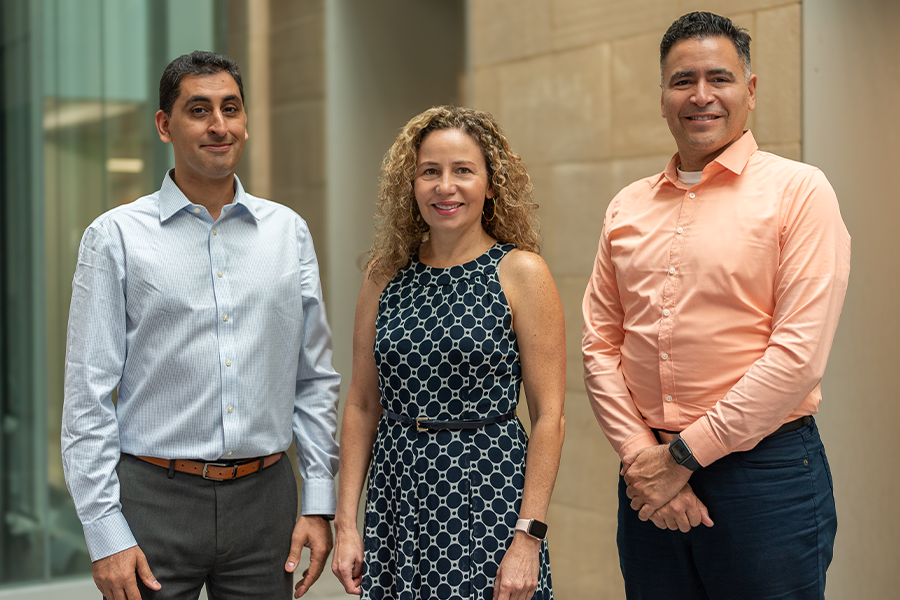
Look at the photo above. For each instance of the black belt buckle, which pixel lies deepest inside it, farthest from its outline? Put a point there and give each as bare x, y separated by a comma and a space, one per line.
206, 466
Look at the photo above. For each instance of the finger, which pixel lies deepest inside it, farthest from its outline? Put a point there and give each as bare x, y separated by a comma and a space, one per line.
683, 522
146, 575
705, 519
293, 559
629, 491
658, 520
645, 512
637, 504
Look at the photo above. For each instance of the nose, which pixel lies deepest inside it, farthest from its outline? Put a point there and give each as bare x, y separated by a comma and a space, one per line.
217, 123
446, 186
702, 94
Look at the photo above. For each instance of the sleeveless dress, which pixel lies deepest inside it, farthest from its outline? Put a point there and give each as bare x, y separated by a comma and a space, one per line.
442, 506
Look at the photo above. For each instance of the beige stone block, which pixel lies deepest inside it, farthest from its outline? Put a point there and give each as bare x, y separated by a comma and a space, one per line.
777, 65
581, 22
627, 171
728, 7
527, 104
505, 30
297, 60
584, 561
542, 179
588, 471
288, 11
583, 111
298, 133
486, 84
638, 125
582, 193
571, 292
791, 150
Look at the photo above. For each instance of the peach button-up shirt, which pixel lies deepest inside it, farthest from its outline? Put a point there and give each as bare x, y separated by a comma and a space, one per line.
712, 308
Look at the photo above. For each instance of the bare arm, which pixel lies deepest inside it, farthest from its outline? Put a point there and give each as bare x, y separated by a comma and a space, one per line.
358, 427
540, 329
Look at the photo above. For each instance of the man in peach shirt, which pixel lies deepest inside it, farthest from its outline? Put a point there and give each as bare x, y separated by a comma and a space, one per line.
708, 318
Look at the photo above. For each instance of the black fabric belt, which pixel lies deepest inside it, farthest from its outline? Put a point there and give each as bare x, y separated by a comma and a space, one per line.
789, 426
426, 424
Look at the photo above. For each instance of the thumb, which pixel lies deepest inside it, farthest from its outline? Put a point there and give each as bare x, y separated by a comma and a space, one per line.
293, 558
143, 571
627, 461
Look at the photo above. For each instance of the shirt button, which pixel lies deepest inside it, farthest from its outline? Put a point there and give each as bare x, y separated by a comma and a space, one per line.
668, 398
230, 409
692, 195
671, 270
196, 211
220, 274
224, 317
680, 230
215, 232
230, 453
666, 312
665, 356
228, 363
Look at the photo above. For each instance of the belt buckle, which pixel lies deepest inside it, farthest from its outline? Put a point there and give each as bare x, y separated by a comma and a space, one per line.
206, 466
419, 422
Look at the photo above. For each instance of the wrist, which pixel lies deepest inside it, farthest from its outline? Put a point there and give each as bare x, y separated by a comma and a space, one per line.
682, 455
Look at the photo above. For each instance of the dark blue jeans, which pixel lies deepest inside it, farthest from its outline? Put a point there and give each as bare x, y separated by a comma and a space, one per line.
773, 537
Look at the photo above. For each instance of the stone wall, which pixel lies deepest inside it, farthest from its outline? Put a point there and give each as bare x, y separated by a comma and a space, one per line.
575, 84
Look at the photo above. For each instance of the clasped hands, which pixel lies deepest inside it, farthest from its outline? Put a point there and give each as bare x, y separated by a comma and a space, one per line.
658, 489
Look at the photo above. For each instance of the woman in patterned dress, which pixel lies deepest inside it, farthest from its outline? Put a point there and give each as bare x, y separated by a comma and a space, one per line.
459, 310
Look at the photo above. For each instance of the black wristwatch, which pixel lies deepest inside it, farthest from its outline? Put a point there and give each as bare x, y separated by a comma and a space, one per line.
532, 527
682, 454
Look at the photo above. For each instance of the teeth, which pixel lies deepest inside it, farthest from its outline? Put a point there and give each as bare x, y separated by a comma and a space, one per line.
703, 118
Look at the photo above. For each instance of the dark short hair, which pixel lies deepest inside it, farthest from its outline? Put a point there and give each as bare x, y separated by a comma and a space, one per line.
701, 25
198, 62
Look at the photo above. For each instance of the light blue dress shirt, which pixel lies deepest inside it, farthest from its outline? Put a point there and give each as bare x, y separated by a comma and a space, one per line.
214, 333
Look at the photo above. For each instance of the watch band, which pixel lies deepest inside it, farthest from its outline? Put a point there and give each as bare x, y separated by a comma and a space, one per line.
533, 527
682, 454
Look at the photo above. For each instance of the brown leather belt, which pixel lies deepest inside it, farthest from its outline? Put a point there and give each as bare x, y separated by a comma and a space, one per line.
217, 471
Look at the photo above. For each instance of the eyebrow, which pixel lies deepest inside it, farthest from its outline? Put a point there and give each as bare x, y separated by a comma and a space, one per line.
454, 163
682, 74
199, 98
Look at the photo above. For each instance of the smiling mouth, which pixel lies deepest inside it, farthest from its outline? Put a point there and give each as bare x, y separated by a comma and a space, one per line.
703, 118
447, 206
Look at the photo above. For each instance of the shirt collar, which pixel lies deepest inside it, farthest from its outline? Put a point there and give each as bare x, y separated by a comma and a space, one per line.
172, 199
734, 158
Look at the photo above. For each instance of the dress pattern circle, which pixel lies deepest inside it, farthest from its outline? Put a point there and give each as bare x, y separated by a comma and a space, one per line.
441, 507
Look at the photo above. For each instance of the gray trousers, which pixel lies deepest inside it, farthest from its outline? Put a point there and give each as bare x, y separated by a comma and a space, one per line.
234, 536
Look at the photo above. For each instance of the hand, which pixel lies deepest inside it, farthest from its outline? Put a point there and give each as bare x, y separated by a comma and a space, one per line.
517, 575
314, 533
682, 512
114, 575
347, 562
653, 478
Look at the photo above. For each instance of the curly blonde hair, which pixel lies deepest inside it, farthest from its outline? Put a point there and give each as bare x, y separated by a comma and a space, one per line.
400, 228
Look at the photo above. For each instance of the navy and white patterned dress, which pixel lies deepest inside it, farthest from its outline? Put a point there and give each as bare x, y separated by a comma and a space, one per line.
442, 506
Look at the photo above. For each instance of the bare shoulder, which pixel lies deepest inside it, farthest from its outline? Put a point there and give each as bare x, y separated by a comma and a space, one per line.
523, 268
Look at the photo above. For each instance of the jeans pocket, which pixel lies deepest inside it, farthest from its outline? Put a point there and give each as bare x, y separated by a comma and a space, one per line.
827, 470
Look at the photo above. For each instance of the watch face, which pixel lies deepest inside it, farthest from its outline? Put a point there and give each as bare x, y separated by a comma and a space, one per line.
538, 529
679, 450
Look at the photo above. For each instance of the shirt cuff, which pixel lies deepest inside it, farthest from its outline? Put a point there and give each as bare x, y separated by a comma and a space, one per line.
317, 497
703, 444
108, 535
642, 440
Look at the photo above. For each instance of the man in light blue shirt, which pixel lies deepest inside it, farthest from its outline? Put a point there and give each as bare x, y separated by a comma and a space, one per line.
202, 304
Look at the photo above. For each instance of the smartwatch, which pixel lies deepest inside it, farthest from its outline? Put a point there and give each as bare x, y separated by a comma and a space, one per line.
532, 527
682, 454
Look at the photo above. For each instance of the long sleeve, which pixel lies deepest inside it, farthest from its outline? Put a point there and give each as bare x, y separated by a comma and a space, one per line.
603, 336
317, 392
95, 357
810, 284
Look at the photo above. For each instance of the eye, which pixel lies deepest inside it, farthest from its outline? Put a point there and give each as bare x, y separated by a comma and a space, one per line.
429, 171
198, 110
681, 83
463, 170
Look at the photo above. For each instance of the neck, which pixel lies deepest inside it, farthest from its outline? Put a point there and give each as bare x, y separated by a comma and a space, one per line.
449, 250
212, 194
